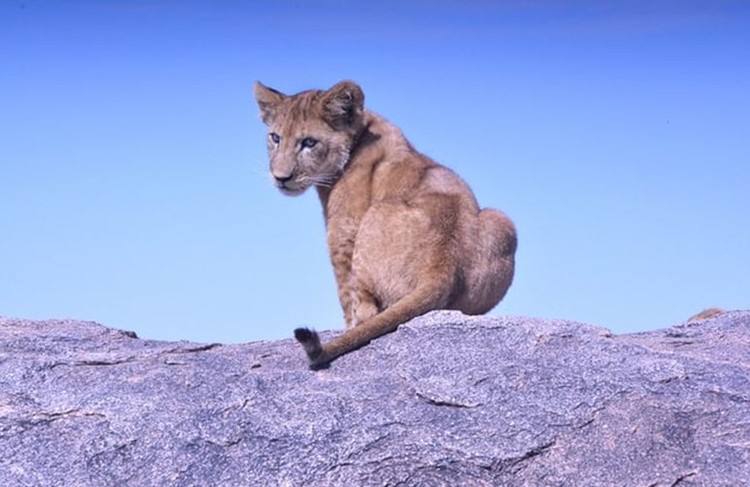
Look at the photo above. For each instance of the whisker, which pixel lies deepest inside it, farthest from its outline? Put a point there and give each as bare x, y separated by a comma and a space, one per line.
326, 181
318, 180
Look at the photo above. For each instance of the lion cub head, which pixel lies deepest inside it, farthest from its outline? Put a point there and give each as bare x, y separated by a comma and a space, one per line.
310, 134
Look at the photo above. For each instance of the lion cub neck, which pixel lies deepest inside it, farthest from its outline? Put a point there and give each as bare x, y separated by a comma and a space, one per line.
382, 165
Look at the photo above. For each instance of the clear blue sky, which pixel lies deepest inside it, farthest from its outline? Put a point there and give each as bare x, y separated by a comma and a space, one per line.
133, 172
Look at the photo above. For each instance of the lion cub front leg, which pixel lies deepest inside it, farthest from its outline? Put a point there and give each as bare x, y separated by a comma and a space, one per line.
341, 259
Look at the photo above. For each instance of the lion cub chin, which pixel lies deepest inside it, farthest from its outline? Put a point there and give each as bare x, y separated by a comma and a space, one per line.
405, 234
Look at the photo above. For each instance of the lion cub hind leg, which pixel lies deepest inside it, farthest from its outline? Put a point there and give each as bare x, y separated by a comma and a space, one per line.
496, 260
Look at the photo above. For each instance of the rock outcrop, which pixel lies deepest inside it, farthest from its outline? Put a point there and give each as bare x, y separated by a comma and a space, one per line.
447, 400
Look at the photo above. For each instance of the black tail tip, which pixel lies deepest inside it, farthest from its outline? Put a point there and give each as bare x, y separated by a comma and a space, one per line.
310, 341
305, 335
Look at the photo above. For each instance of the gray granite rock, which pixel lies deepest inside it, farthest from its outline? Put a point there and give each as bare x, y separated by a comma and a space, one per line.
447, 400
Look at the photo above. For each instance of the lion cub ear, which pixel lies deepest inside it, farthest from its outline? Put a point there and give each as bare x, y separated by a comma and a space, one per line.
343, 104
267, 99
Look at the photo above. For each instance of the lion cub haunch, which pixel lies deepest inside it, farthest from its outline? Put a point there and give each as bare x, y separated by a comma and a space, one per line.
405, 234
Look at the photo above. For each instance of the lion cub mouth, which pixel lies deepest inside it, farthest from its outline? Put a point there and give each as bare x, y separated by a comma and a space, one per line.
290, 186
291, 191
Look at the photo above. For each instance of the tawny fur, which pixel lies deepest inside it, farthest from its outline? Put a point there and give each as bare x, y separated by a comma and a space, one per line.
405, 234
705, 314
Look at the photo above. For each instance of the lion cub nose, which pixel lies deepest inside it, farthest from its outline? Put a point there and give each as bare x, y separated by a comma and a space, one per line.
283, 178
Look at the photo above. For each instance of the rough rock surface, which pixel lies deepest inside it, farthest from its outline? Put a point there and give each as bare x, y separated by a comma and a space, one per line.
447, 400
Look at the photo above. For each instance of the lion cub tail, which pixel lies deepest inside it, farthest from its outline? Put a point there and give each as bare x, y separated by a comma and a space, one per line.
310, 341
429, 296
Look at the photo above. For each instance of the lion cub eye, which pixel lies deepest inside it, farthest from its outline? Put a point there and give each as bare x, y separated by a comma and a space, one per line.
308, 142
275, 138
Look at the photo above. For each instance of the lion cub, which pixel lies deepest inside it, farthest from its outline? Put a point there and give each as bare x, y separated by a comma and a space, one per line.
405, 234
